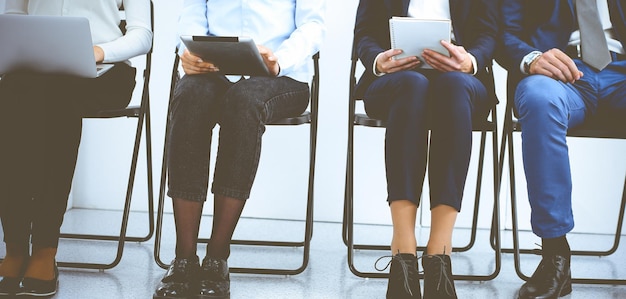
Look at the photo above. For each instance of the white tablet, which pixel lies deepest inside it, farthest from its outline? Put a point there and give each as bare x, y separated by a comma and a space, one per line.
232, 55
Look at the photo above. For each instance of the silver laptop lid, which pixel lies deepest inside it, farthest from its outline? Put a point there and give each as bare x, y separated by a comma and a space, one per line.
47, 44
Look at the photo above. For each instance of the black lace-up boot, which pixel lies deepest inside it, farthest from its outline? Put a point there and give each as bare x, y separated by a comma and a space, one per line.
438, 282
403, 277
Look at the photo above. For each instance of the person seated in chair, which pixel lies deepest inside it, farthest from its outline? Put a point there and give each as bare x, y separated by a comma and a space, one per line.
557, 88
446, 100
40, 125
288, 33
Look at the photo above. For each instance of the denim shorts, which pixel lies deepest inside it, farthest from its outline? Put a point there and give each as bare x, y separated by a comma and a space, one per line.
241, 109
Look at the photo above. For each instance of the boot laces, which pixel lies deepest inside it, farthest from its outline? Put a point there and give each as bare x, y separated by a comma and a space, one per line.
403, 265
443, 276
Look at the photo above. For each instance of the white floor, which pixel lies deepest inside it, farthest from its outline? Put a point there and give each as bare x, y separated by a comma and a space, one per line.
327, 274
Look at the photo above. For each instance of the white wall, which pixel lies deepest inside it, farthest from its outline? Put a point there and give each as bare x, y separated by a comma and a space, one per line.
280, 188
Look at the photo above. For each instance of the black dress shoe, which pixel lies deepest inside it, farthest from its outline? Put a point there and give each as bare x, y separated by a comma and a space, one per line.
178, 280
438, 282
40, 288
551, 280
10, 287
214, 280
403, 277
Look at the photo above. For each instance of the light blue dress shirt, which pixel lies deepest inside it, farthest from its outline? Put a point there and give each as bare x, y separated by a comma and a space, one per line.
292, 29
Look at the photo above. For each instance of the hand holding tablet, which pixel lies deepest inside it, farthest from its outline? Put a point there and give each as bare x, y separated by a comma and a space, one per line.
229, 55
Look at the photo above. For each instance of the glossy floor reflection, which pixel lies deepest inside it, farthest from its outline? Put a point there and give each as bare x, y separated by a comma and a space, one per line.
327, 275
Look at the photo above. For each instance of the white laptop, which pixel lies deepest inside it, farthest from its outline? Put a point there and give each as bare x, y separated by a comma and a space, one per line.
48, 44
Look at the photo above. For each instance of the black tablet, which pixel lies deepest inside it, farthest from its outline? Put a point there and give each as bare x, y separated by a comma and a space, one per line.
232, 55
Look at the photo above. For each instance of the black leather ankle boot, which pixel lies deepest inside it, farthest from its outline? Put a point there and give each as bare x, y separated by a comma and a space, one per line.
438, 282
552, 279
403, 277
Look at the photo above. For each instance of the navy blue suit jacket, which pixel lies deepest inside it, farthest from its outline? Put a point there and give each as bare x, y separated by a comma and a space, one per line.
541, 25
474, 22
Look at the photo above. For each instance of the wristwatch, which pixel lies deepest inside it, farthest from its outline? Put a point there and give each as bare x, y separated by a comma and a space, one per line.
529, 59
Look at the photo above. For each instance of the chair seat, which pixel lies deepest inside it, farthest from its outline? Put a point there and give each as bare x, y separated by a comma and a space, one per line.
364, 120
298, 120
130, 111
597, 127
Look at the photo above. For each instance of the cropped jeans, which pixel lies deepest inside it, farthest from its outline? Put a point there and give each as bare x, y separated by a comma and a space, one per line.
413, 103
242, 109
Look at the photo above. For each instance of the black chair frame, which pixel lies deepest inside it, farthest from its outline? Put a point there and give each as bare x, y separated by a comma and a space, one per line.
142, 113
358, 119
308, 117
595, 128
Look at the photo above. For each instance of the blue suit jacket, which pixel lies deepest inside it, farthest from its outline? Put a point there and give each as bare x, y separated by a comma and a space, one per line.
541, 25
474, 22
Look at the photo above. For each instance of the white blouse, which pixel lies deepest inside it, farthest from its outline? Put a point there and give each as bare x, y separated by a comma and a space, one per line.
429, 9
104, 18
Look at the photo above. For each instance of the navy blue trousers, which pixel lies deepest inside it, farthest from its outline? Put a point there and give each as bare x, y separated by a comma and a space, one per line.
413, 103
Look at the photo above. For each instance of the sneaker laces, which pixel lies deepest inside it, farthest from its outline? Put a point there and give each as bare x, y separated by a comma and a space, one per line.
403, 266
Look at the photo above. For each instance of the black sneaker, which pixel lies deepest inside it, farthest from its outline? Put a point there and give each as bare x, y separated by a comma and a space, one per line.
214, 280
178, 280
438, 282
403, 277
40, 288
10, 287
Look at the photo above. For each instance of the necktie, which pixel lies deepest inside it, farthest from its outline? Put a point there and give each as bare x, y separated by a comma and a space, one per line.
595, 51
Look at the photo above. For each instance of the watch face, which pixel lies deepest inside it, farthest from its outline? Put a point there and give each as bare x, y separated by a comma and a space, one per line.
529, 59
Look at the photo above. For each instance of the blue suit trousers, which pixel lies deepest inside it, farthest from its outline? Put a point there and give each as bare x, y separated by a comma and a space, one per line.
546, 109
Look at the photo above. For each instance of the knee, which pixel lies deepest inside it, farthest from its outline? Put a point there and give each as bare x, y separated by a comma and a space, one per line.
194, 100
241, 105
410, 82
452, 88
540, 96
408, 90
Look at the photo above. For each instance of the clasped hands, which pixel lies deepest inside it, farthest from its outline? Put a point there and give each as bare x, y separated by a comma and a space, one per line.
194, 65
556, 65
459, 60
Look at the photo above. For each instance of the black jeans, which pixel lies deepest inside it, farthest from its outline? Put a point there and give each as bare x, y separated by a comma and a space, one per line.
40, 127
242, 109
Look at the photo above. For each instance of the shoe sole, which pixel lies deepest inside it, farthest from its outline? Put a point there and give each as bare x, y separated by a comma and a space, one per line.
36, 295
566, 290
167, 297
227, 296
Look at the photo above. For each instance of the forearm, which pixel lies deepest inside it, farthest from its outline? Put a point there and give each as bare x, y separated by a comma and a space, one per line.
307, 39
192, 20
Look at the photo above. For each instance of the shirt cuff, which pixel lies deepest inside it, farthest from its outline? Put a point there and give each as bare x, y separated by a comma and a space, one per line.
526, 59
521, 64
474, 63
374, 67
